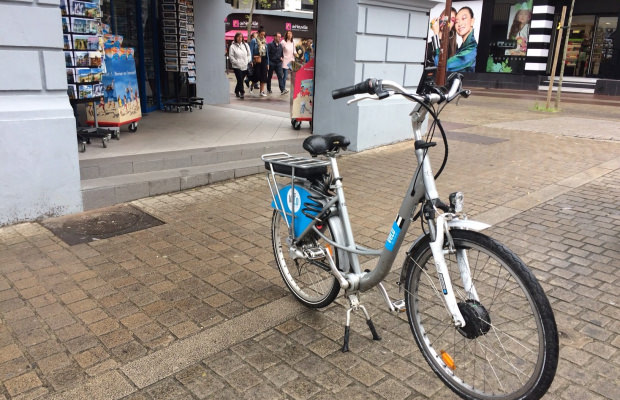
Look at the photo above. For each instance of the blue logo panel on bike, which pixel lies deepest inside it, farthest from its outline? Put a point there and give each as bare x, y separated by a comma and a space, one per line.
393, 236
294, 201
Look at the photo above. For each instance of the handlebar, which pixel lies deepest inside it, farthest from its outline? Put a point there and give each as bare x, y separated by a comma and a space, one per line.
368, 86
380, 88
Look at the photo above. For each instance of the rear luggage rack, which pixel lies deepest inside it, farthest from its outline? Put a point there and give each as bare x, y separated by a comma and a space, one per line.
283, 164
300, 167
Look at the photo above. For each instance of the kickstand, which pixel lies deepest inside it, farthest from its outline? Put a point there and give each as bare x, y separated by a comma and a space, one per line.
355, 305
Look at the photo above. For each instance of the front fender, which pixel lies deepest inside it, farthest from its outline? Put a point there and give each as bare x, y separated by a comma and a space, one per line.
464, 224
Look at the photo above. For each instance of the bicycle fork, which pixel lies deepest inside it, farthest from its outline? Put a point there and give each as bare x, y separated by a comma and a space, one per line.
442, 232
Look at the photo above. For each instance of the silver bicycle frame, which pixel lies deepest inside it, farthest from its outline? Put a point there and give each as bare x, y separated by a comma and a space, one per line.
422, 186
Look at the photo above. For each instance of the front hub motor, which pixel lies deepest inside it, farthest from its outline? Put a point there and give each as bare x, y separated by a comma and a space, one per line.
477, 319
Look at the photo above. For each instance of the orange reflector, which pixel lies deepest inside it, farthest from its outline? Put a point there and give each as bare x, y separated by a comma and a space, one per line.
448, 360
329, 250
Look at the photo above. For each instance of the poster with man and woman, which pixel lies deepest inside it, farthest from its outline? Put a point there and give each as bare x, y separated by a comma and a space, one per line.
464, 31
509, 34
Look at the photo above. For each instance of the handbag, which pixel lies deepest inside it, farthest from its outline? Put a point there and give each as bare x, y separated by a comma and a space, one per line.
256, 59
296, 66
250, 69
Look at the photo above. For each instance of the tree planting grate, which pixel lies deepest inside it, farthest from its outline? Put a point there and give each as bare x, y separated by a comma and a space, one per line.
98, 224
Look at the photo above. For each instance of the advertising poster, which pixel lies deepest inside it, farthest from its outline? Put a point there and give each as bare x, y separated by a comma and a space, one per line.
120, 103
303, 92
510, 38
462, 44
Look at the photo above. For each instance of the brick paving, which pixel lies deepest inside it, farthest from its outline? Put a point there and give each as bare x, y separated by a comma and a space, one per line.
195, 308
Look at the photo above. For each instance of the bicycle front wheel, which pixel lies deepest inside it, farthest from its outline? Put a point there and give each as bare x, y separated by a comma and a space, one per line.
508, 348
310, 280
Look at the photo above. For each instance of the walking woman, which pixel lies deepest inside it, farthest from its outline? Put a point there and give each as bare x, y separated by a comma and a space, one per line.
251, 76
239, 54
261, 59
288, 51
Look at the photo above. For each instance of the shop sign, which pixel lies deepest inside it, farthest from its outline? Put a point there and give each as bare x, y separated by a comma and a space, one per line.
506, 44
243, 24
296, 27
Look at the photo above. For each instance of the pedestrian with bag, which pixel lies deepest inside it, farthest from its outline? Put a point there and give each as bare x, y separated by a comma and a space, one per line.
251, 76
274, 50
260, 57
239, 55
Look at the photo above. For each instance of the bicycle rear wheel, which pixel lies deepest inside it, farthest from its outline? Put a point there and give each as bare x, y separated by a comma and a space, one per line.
310, 281
509, 346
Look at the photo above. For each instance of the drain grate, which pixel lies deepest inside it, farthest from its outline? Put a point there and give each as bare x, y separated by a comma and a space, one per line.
100, 224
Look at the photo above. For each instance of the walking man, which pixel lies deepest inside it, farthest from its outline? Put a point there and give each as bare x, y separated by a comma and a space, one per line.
274, 49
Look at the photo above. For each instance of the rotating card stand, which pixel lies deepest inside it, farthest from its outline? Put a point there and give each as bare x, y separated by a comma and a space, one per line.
85, 134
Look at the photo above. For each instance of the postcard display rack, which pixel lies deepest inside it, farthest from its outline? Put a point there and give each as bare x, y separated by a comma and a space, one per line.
81, 26
179, 55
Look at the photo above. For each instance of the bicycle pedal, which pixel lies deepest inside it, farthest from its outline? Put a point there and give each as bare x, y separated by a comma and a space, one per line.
399, 305
314, 253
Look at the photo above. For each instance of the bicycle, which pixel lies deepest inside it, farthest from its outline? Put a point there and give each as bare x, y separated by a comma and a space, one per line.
482, 321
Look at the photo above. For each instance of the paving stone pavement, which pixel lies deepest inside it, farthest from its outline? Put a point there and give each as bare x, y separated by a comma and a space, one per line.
195, 308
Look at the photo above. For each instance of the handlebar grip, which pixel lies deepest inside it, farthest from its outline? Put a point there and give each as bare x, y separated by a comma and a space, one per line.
368, 86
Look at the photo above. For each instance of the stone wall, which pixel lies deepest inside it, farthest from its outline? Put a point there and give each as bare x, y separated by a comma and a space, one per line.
368, 39
38, 145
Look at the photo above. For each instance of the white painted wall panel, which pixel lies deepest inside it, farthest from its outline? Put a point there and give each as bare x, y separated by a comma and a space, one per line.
370, 48
21, 70
405, 50
27, 26
54, 70
418, 25
385, 21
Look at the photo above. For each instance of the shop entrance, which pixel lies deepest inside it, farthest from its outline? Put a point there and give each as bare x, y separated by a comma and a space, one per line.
136, 21
590, 46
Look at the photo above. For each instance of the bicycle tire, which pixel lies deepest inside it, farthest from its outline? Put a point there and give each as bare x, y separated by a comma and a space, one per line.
311, 282
520, 366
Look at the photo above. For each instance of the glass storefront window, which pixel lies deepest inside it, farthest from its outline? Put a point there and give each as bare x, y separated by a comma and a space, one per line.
590, 48
136, 21
509, 36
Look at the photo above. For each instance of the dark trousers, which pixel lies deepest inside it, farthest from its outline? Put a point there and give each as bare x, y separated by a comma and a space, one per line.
239, 75
261, 70
277, 68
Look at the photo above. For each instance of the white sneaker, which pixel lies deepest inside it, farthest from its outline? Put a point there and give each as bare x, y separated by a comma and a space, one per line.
285, 91
263, 94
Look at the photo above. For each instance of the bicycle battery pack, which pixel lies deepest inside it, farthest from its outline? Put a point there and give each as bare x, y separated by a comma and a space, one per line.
296, 201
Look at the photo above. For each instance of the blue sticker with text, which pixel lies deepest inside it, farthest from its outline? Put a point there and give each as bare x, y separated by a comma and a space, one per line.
393, 236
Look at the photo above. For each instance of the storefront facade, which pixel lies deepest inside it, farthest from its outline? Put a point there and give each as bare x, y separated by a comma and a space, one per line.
520, 55
38, 149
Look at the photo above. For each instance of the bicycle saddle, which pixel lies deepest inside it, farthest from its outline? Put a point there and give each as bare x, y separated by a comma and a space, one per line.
318, 145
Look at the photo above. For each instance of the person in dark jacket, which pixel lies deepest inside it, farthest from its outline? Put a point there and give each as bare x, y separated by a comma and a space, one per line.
274, 50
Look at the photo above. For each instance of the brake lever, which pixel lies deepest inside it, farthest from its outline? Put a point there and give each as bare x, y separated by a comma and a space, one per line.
384, 94
363, 97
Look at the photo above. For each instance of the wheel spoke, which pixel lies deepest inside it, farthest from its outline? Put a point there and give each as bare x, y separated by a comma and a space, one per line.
310, 281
